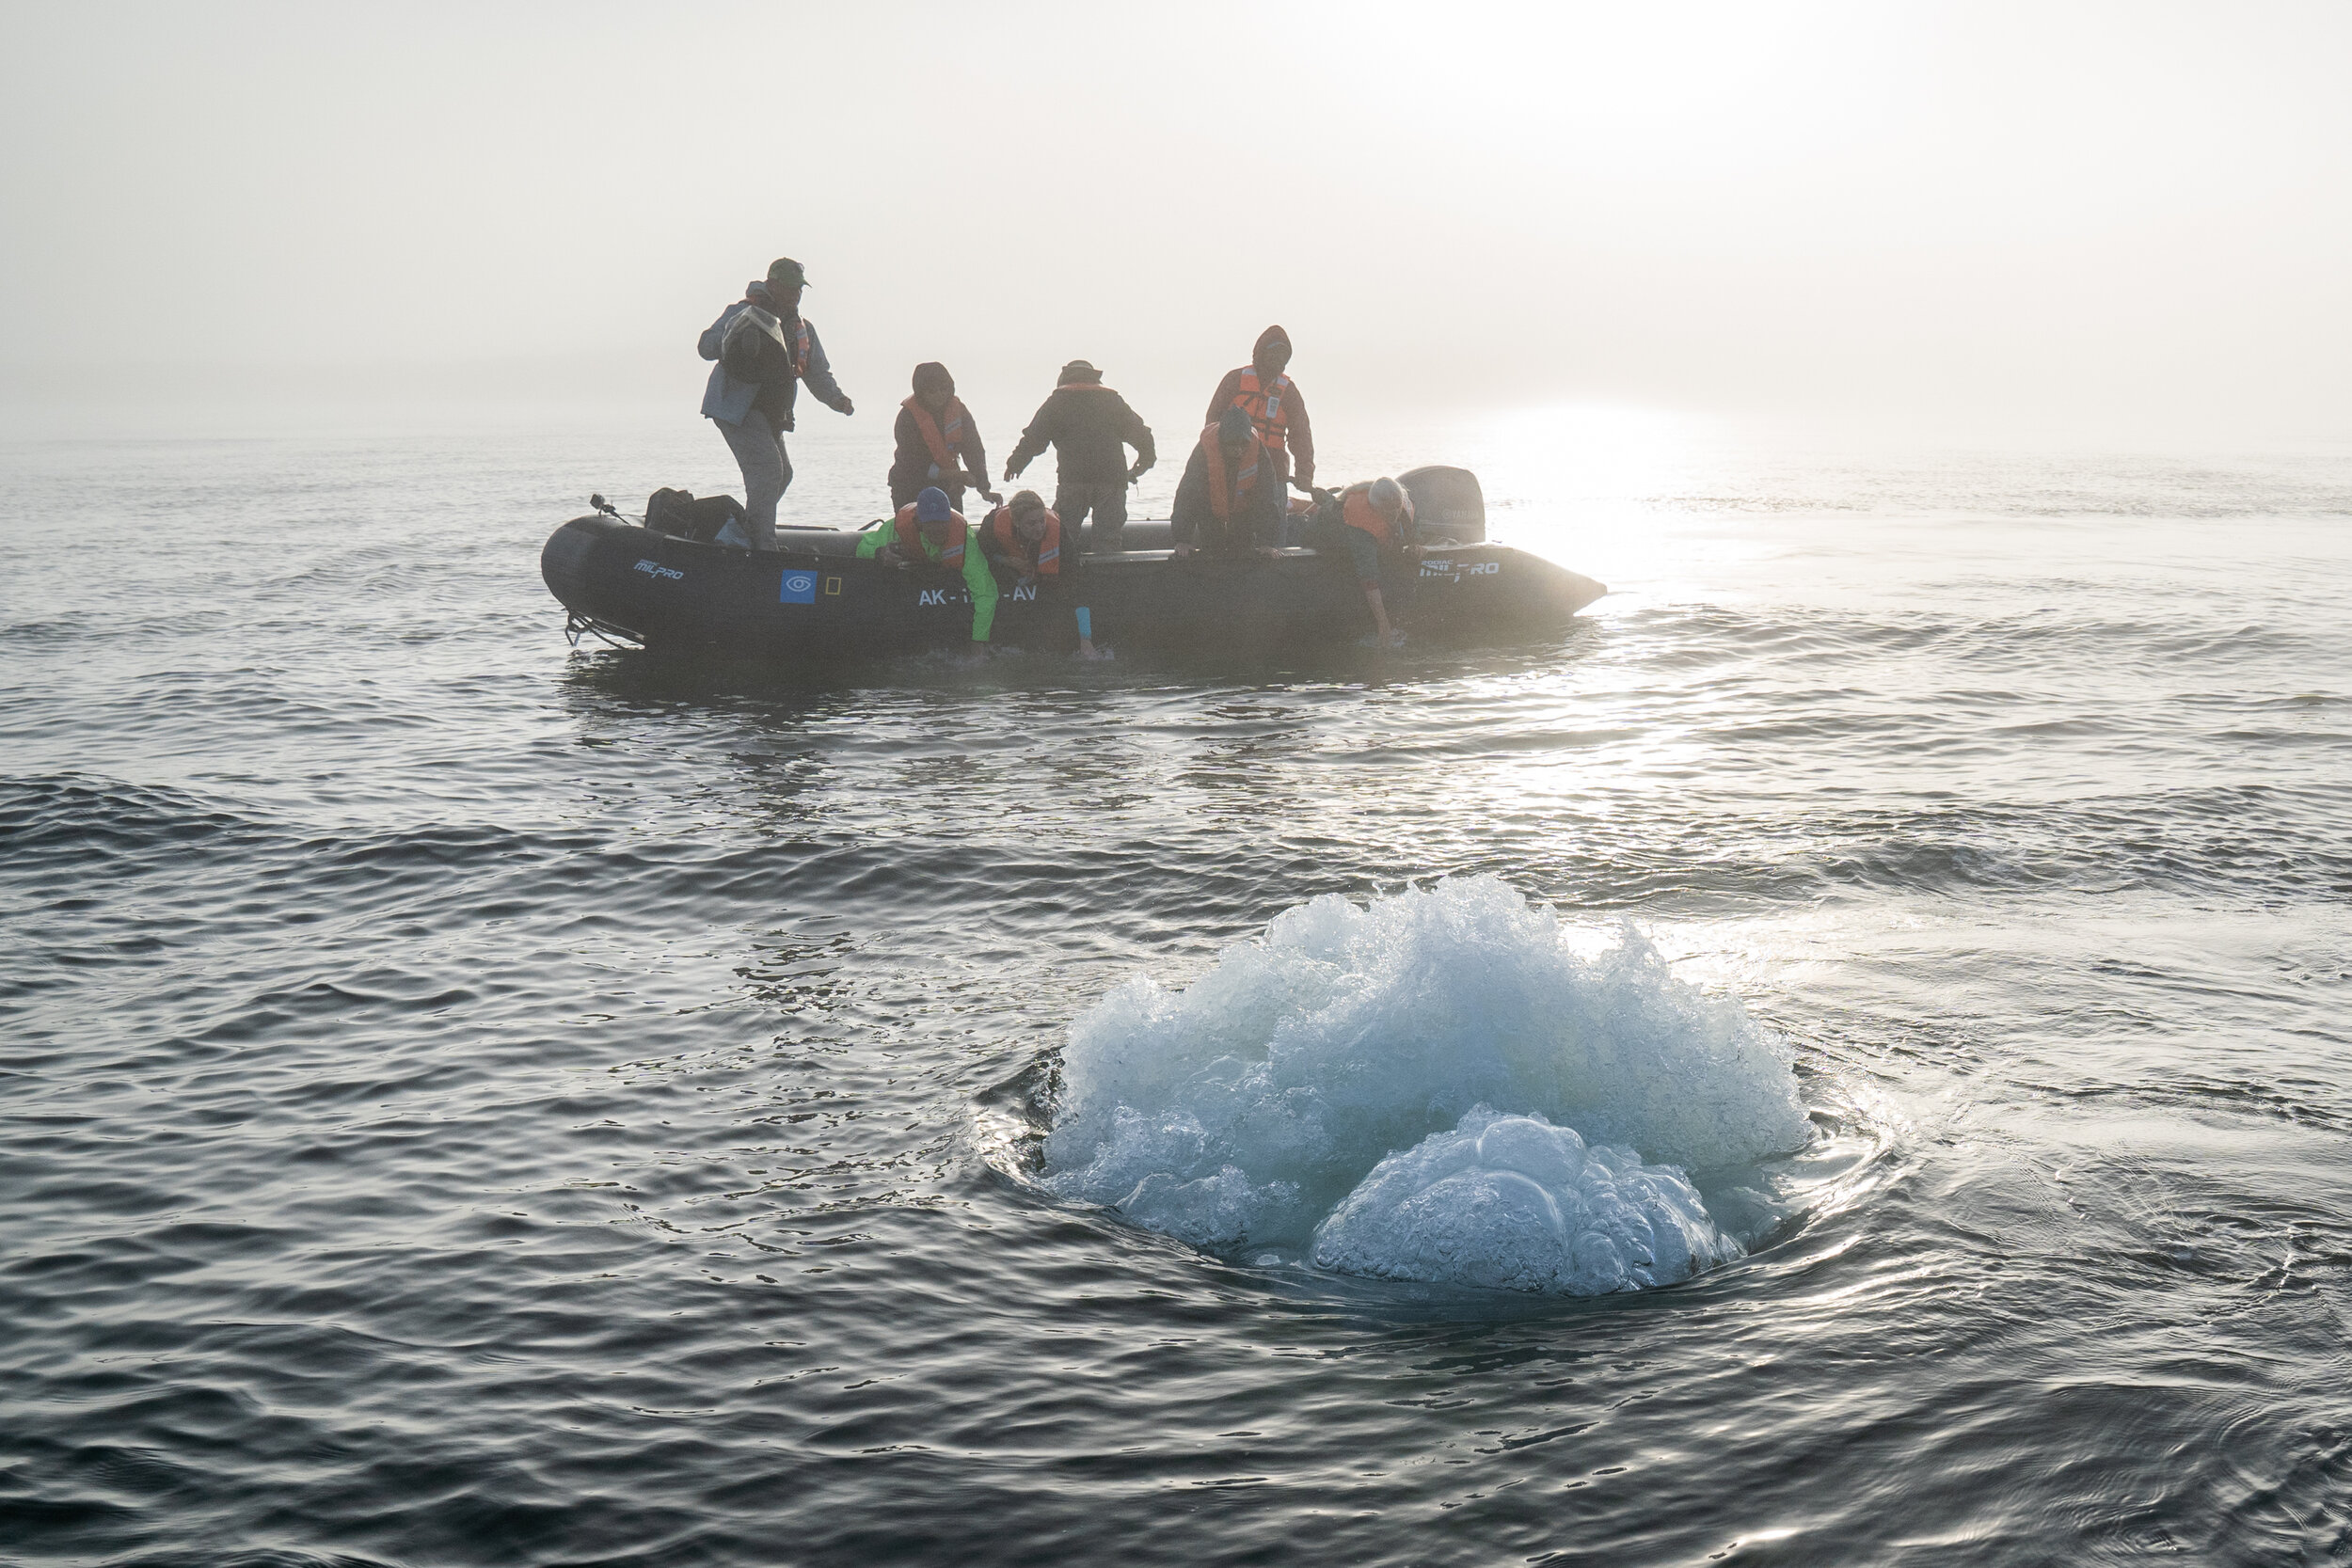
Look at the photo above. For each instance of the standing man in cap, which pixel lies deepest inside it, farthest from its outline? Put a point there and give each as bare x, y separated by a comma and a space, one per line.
1089, 426
1261, 391
938, 442
765, 348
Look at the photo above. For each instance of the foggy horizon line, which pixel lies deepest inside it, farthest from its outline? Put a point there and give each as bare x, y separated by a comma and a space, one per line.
253, 400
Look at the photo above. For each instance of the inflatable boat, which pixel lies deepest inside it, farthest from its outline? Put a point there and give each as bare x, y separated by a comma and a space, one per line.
813, 600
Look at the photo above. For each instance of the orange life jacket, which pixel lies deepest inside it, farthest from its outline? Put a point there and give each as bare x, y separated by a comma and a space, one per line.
1225, 499
1264, 407
801, 349
942, 442
1046, 562
911, 538
1357, 511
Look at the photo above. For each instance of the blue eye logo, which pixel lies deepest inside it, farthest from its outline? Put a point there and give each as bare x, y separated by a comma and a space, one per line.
798, 588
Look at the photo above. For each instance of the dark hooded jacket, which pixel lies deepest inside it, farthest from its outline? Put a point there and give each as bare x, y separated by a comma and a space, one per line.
1087, 424
911, 463
1302, 436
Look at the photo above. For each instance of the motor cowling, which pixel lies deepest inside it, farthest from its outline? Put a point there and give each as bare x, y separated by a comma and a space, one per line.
1448, 503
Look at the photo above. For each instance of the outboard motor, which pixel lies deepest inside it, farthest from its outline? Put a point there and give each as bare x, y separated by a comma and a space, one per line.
1447, 503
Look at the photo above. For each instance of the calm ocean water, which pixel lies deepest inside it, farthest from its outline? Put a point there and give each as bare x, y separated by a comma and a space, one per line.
464, 1101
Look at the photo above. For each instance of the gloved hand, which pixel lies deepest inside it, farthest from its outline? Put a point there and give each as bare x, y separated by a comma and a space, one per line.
845, 407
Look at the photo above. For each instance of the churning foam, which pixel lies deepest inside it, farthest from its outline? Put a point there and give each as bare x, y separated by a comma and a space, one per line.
1432, 1087
1514, 1203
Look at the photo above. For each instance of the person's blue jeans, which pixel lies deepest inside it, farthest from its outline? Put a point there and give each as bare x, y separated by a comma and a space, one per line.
767, 473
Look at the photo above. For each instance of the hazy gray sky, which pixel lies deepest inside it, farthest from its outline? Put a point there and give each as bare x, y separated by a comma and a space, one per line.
2116, 213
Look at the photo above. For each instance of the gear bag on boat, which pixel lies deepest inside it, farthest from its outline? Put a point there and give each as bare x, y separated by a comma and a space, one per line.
676, 511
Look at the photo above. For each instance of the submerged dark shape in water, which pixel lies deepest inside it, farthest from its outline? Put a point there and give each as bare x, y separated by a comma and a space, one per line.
813, 599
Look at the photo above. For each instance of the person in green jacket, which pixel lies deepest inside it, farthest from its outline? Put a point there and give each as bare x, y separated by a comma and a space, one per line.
928, 531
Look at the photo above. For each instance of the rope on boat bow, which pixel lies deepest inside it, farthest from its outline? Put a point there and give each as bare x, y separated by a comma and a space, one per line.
577, 625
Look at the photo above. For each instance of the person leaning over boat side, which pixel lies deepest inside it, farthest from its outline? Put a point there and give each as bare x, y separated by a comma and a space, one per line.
1364, 522
933, 430
1261, 391
1230, 498
1024, 539
929, 531
765, 348
1089, 426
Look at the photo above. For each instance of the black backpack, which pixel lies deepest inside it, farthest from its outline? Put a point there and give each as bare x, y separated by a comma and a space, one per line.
677, 511
752, 351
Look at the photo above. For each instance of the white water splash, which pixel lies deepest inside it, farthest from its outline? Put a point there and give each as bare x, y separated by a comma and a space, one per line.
1514, 1203
1318, 1089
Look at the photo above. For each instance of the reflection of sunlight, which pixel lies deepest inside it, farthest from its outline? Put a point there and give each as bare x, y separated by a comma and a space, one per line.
1589, 451
1583, 484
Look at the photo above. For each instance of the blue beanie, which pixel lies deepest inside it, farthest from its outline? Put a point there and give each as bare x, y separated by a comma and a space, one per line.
931, 506
1232, 425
